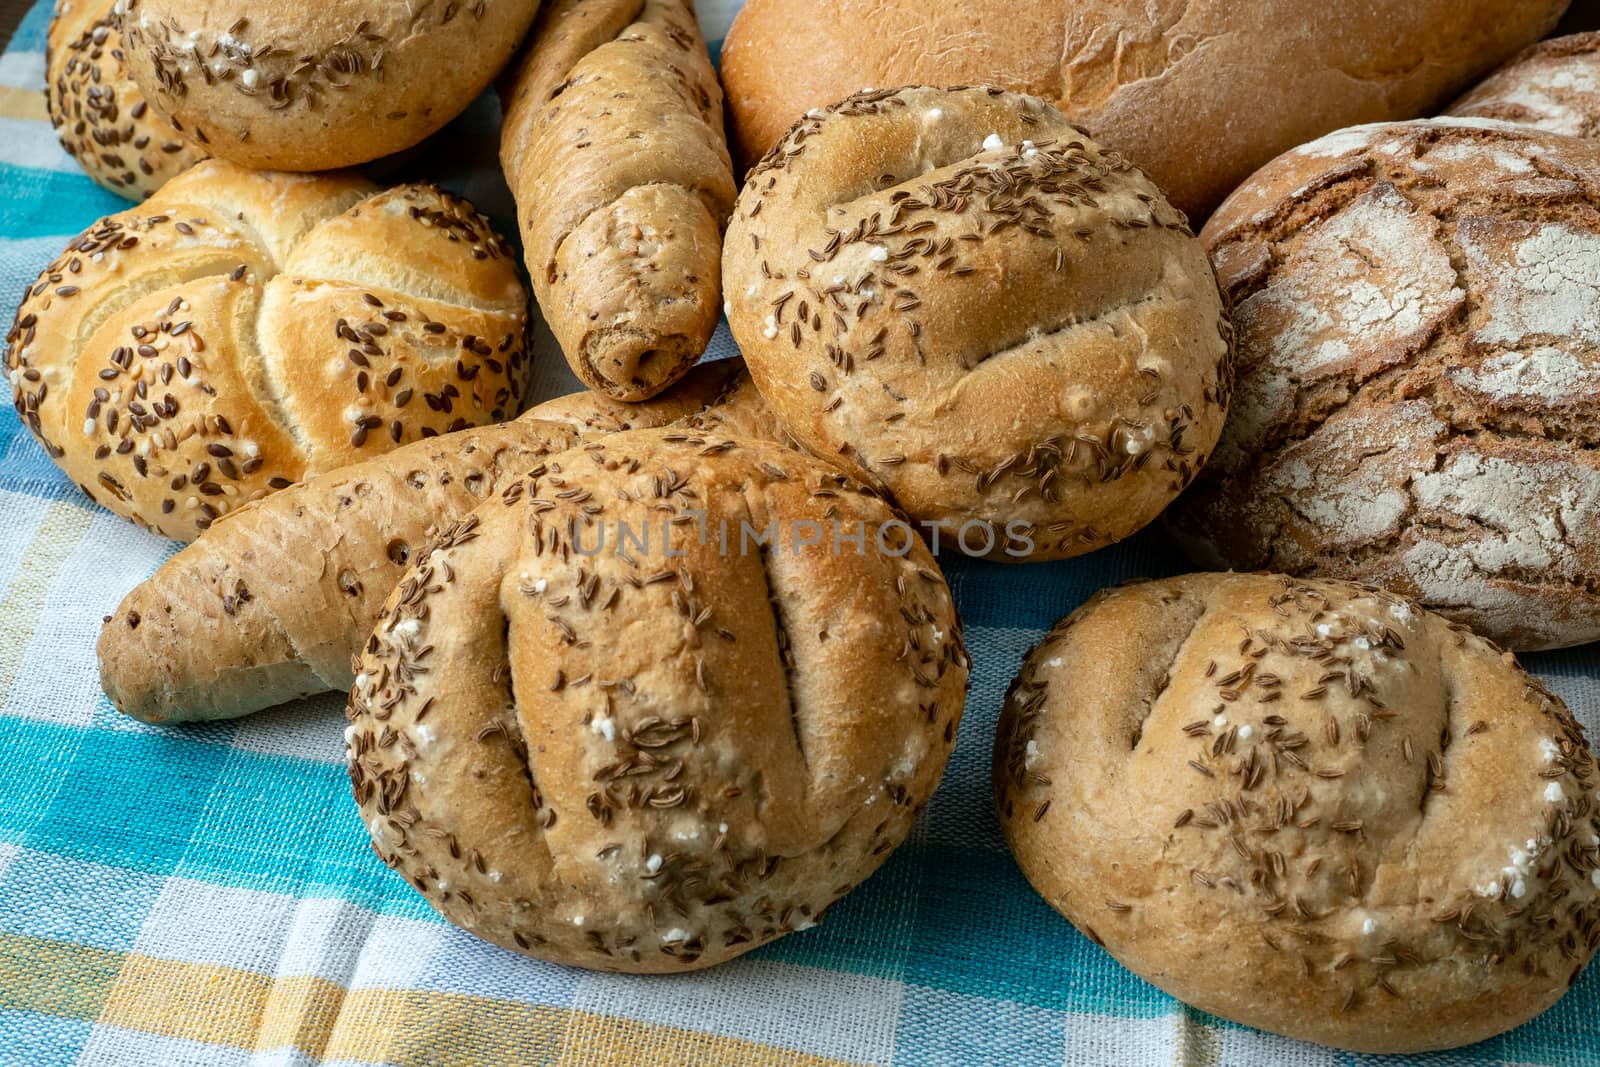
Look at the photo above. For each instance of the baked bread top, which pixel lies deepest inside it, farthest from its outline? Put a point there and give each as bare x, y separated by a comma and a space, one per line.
1554, 85
956, 294
653, 757
1418, 373
317, 84
244, 328
1307, 806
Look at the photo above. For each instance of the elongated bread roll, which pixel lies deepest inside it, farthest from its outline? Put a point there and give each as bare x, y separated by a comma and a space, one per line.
613, 146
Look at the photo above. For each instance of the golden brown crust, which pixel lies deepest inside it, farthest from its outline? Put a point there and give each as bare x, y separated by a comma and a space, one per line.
613, 146
102, 118
272, 602
314, 86
1418, 370
1307, 806
955, 294
242, 329
592, 413
1198, 93
654, 760
1554, 85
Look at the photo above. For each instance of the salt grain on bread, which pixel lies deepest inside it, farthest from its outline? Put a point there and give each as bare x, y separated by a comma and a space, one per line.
273, 601
243, 329
957, 295
317, 84
1554, 85
614, 148
1418, 370
642, 761
1306, 806
102, 118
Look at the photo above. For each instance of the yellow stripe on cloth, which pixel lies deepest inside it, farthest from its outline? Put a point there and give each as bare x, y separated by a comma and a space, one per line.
18, 103
54, 542
404, 1027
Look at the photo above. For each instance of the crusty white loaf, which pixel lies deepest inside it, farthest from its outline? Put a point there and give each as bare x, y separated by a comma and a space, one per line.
317, 84
654, 758
242, 329
102, 118
1306, 806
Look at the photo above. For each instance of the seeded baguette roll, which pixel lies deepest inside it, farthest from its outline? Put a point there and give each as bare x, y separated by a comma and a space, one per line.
957, 295
638, 760
313, 86
1306, 806
1554, 85
1418, 367
614, 148
102, 118
242, 330
592, 413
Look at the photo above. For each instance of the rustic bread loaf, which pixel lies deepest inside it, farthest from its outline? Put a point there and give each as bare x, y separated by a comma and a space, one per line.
317, 84
614, 148
955, 294
1554, 85
1198, 93
243, 329
655, 758
1418, 314
272, 602
592, 413
102, 118
1306, 806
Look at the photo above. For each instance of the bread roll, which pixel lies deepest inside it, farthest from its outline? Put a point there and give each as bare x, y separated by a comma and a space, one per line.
656, 758
1306, 806
1418, 370
243, 329
317, 84
592, 413
955, 294
1554, 85
102, 118
614, 149
1198, 93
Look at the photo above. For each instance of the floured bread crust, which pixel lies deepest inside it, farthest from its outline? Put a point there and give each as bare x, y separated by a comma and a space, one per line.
1554, 85
1418, 317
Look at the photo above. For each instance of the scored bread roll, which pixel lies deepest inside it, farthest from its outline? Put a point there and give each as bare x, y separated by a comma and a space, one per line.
243, 329
317, 84
1418, 367
956, 295
656, 758
102, 118
272, 601
1554, 85
324, 554
1309, 807
614, 149
1198, 93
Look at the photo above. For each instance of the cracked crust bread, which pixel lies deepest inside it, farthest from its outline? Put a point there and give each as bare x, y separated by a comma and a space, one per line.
613, 146
273, 601
243, 329
102, 118
1554, 85
956, 295
1418, 367
1309, 807
1198, 93
654, 760
294, 85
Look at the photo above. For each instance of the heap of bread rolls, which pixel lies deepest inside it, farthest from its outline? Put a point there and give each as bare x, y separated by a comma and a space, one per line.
620, 696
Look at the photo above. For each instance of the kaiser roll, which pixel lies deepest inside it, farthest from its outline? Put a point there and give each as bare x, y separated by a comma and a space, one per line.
1306, 806
317, 84
243, 329
1198, 93
955, 294
654, 757
1554, 85
103, 119
1418, 314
